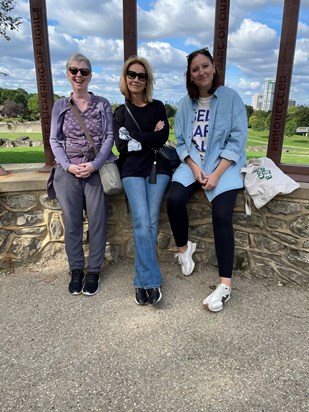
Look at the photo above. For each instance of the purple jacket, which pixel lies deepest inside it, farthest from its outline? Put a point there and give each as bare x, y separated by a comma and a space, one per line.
57, 139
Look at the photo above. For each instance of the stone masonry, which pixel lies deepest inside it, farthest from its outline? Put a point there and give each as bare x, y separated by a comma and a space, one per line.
272, 243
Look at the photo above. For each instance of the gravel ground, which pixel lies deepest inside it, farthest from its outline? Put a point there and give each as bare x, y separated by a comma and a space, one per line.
105, 353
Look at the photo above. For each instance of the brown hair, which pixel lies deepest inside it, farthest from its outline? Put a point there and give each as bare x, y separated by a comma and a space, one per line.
192, 88
150, 80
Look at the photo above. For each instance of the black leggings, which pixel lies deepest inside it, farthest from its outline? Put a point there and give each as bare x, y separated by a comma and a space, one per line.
222, 220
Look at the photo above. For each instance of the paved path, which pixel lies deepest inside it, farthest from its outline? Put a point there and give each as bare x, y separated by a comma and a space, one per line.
104, 353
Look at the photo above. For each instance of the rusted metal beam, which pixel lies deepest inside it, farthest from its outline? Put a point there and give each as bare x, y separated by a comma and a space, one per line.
283, 79
43, 73
299, 173
129, 28
220, 36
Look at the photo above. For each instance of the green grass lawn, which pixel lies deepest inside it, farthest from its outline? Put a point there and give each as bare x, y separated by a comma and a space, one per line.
22, 155
14, 136
295, 148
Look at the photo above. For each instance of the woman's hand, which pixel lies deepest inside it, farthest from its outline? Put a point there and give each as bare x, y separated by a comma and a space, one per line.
82, 170
214, 177
159, 126
197, 171
211, 182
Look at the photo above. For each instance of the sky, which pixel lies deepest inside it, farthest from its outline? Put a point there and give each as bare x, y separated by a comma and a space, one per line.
167, 31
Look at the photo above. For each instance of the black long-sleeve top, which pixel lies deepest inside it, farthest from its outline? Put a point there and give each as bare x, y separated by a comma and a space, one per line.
139, 163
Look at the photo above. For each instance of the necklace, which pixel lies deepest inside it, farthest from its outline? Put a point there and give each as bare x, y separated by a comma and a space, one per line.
81, 100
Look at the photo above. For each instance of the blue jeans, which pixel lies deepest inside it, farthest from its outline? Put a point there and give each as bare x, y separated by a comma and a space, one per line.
145, 202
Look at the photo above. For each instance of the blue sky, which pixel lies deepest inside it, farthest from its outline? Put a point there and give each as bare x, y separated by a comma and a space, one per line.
167, 31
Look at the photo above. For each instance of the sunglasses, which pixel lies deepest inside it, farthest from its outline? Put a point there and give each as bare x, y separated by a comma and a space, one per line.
142, 77
84, 72
197, 52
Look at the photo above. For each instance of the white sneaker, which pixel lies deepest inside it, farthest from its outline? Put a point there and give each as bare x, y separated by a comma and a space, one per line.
215, 300
185, 259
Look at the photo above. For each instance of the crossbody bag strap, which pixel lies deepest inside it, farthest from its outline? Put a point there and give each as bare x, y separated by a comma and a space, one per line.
153, 173
132, 117
83, 126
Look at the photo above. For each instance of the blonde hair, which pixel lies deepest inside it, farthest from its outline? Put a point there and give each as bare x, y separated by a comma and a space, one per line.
150, 80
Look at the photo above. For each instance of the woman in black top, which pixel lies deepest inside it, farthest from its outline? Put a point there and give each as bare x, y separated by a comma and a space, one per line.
136, 144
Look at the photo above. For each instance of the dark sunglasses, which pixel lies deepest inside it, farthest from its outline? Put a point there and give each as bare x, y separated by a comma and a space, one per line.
142, 77
75, 70
195, 52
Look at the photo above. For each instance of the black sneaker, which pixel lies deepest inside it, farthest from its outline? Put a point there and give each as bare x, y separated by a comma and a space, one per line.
141, 296
76, 283
154, 295
91, 284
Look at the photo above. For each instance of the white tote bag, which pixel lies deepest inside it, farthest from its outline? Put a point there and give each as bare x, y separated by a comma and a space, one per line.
110, 178
263, 181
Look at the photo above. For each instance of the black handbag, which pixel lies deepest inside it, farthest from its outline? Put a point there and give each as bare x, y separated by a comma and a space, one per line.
167, 157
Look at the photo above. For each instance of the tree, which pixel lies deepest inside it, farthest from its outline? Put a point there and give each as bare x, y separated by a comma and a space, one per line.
170, 110
21, 96
300, 115
257, 120
12, 109
171, 122
33, 106
249, 111
7, 22
115, 105
290, 128
6, 94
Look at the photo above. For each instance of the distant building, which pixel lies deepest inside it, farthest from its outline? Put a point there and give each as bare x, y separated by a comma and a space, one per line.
257, 101
264, 101
268, 95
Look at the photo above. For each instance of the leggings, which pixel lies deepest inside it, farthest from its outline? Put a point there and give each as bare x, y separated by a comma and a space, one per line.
222, 221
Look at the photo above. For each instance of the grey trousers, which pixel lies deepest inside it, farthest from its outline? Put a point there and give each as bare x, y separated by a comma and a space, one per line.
74, 196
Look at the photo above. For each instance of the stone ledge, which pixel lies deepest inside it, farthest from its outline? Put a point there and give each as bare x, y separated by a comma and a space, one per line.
25, 176
271, 243
23, 182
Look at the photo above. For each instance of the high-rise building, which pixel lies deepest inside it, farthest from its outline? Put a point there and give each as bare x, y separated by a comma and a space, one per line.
268, 96
264, 101
257, 101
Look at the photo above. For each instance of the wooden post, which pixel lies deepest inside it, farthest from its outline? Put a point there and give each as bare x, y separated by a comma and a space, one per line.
43, 73
283, 79
129, 28
220, 37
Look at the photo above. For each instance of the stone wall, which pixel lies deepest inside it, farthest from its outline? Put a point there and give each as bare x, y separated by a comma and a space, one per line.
272, 243
22, 127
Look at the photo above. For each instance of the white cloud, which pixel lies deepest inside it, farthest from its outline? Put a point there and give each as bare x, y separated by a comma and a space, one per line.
252, 37
167, 31
246, 85
303, 29
170, 19
80, 17
252, 48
